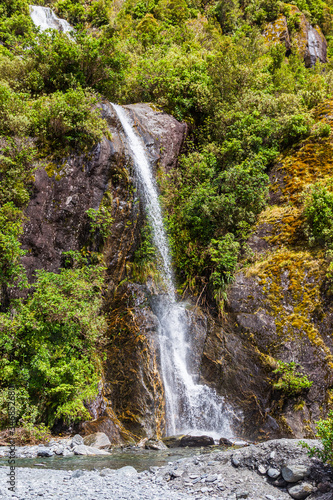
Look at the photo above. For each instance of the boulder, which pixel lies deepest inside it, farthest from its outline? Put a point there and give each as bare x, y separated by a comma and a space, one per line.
88, 450
77, 440
155, 444
45, 452
225, 442
97, 440
301, 491
127, 471
198, 441
173, 441
294, 473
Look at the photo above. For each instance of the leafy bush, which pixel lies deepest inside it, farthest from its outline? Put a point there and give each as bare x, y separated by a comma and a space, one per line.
325, 435
17, 164
318, 212
52, 345
12, 273
224, 256
100, 220
68, 119
290, 381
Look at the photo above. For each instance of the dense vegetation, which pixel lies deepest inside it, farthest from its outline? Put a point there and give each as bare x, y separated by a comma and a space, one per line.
207, 63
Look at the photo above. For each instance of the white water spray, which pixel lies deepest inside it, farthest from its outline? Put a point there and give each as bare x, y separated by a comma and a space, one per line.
190, 407
44, 18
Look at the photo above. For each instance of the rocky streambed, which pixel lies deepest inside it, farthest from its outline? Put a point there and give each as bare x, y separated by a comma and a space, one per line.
274, 470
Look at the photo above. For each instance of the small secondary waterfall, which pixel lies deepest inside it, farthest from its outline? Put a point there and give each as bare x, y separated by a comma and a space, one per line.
44, 18
190, 407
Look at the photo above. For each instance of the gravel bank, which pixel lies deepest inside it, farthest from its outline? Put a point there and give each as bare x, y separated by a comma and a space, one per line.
275, 470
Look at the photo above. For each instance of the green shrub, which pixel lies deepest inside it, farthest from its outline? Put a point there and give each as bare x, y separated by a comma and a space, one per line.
325, 435
51, 345
68, 119
318, 213
290, 381
17, 163
12, 273
100, 220
224, 256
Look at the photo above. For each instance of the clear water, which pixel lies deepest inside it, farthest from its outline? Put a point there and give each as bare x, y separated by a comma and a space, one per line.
44, 18
140, 459
191, 408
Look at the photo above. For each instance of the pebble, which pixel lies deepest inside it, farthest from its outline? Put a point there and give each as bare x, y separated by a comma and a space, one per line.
273, 473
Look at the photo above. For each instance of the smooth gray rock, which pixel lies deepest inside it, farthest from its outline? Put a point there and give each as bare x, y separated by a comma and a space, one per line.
45, 452
128, 471
294, 473
301, 491
97, 440
273, 473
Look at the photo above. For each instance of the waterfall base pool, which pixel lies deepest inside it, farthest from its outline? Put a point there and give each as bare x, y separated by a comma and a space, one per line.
140, 459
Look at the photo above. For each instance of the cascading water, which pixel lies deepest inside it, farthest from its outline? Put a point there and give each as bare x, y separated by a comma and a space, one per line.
190, 407
44, 18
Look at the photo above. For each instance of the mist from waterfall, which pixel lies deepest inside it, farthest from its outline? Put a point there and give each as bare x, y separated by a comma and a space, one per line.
190, 407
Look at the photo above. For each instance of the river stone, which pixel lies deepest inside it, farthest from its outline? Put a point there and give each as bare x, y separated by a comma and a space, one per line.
77, 473
88, 450
97, 440
198, 441
44, 452
77, 440
155, 444
273, 473
106, 472
301, 491
127, 471
294, 473
67, 453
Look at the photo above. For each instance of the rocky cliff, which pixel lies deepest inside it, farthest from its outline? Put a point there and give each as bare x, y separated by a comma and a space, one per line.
280, 306
57, 222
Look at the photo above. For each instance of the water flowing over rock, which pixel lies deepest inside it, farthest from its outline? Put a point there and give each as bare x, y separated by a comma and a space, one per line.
190, 407
44, 18
308, 40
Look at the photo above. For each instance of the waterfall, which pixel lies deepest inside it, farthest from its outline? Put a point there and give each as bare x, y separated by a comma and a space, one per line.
190, 407
44, 18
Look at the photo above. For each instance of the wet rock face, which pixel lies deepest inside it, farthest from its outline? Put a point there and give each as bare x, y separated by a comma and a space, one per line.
57, 222
309, 40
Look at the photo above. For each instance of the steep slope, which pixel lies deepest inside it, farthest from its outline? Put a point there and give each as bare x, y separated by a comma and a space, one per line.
280, 304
